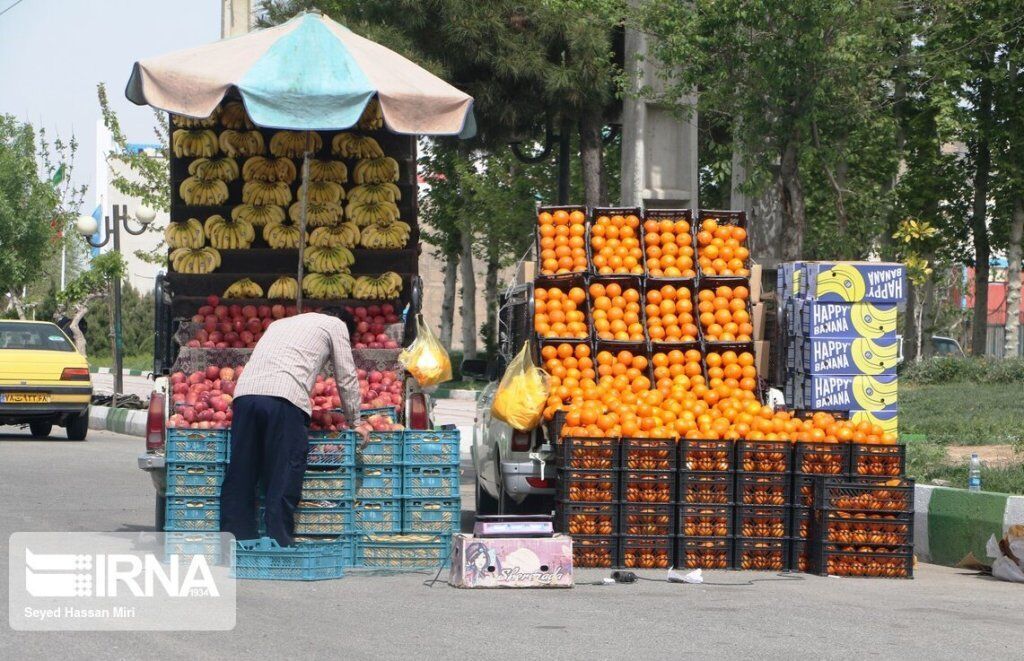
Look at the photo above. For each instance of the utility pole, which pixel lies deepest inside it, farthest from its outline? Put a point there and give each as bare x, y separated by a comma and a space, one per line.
235, 17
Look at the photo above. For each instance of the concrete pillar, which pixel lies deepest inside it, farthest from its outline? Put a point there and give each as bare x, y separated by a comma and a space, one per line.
235, 17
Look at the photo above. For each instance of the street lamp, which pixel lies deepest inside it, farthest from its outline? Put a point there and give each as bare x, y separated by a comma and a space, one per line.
87, 226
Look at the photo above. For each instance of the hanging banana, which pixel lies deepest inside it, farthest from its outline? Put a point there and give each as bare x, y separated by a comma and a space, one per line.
262, 168
244, 288
282, 235
241, 143
233, 116
195, 260
283, 287
385, 234
340, 234
266, 192
335, 171
350, 145
193, 143
318, 214
229, 234
224, 168
196, 191
258, 215
294, 144
372, 118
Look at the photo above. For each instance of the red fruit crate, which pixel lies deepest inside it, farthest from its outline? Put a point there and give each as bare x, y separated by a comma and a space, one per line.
646, 520
702, 553
706, 455
595, 551
763, 522
587, 519
877, 460
705, 520
648, 486
649, 454
762, 489
822, 458
582, 486
588, 453
761, 554
764, 456
645, 552
706, 488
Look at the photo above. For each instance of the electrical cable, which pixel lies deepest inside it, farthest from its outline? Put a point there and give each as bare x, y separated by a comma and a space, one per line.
747, 583
12, 6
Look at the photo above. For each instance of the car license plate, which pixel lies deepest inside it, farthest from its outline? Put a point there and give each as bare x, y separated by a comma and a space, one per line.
25, 398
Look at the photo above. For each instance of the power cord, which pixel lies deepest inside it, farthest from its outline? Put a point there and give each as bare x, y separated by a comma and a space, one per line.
627, 577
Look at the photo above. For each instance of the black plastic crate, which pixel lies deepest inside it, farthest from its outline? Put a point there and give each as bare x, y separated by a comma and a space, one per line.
648, 487
763, 489
821, 458
703, 553
706, 455
588, 486
799, 556
588, 453
645, 552
804, 489
868, 460
761, 554
764, 456
598, 551
646, 519
865, 495
588, 519
658, 454
842, 528
705, 521
863, 561
802, 523
696, 488
762, 522
552, 209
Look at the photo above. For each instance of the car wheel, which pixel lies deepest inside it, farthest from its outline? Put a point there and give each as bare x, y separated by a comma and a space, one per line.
77, 427
485, 502
40, 429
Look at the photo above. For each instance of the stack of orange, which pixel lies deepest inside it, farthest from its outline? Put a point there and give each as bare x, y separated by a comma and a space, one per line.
616, 312
670, 315
735, 370
563, 246
668, 248
559, 313
615, 243
721, 249
677, 368
723, 314
571, 369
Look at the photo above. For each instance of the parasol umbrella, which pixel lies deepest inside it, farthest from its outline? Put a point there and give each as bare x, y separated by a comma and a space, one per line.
310, 73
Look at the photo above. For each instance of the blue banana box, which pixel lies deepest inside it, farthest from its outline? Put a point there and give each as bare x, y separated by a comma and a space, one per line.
822, 319
853, 282
841, 393
887, 420
843, 356
787, 280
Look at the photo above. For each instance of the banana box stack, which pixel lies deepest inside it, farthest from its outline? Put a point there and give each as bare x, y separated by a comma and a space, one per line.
841, 347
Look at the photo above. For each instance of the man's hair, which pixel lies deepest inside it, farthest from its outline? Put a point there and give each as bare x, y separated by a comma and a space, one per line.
344, 314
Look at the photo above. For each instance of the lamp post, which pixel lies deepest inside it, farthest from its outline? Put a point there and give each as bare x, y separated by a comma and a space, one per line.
87, 226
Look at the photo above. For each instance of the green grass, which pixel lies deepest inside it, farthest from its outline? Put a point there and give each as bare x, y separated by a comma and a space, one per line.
142, 362
963, 413
927, 461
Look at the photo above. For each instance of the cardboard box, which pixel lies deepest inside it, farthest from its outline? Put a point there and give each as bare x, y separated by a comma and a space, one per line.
887, 420
821, 319
854, 282
762, 358
527, 272
841, 393
511, 562
787, 280
755, 283
843, 356
757, 317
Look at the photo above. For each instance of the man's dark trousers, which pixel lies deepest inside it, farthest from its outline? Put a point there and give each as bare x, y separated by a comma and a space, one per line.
269, 441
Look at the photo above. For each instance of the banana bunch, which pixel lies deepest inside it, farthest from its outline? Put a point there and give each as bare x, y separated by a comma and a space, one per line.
339, 234
385, 235
335, 171
367, 213
373, 118
223, 167
383, 287
322, 259
322, 191
197, 191
229, 234
195, 260
244, 288
261, 168
241, 143
233, 116
318, 214
294, 144
376, 170
283, 287
258, 215
185, 234
282, 235
350, 145
192, 143
328, 285
184, 121
266, 192
382, 192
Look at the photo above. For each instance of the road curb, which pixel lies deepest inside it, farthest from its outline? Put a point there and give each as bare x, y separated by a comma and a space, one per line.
131, 422
108, 370
950, 523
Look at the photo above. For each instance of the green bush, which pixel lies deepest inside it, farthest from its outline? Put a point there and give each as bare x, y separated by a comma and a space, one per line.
949, 369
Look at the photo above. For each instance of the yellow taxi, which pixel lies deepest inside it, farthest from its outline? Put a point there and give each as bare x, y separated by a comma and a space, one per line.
44, 381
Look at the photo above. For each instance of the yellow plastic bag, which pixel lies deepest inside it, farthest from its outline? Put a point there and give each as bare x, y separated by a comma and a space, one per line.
426, 358
522, 393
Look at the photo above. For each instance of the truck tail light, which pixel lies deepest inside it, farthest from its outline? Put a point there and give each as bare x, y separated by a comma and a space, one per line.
538, 483
418, 418
75, 374
521, 442
155, 427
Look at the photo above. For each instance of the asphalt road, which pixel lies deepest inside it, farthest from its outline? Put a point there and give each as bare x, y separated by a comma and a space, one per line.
95, 485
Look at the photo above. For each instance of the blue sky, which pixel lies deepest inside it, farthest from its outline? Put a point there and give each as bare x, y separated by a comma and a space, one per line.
54, 52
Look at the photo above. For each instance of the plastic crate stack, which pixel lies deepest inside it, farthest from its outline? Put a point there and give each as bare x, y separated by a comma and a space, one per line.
707, 497
196, 461
323, 518
588, 504
764, 473
840, 343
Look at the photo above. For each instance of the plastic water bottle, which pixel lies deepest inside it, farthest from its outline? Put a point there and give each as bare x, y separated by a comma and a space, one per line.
974, 477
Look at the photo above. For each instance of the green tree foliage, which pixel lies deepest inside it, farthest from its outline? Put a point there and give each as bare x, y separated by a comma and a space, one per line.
93, 284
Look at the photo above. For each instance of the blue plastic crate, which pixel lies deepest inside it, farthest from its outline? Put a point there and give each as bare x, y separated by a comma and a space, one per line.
189, 544
431, 447
440, 515
346, 542
384, 448
333, 484
189, 479
378, 481
377, 515
387, 411
331, 448
197, 445
403, 552
430, 482
185, 514
263, 559
325, 517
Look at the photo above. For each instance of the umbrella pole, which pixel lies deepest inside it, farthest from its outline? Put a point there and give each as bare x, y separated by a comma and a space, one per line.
304, 188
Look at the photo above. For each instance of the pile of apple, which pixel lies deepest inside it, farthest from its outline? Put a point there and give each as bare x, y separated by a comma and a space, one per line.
235, 326
370, 326
378, 422
202, 400
376, 390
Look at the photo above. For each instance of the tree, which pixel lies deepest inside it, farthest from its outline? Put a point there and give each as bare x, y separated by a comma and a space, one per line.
73, 302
